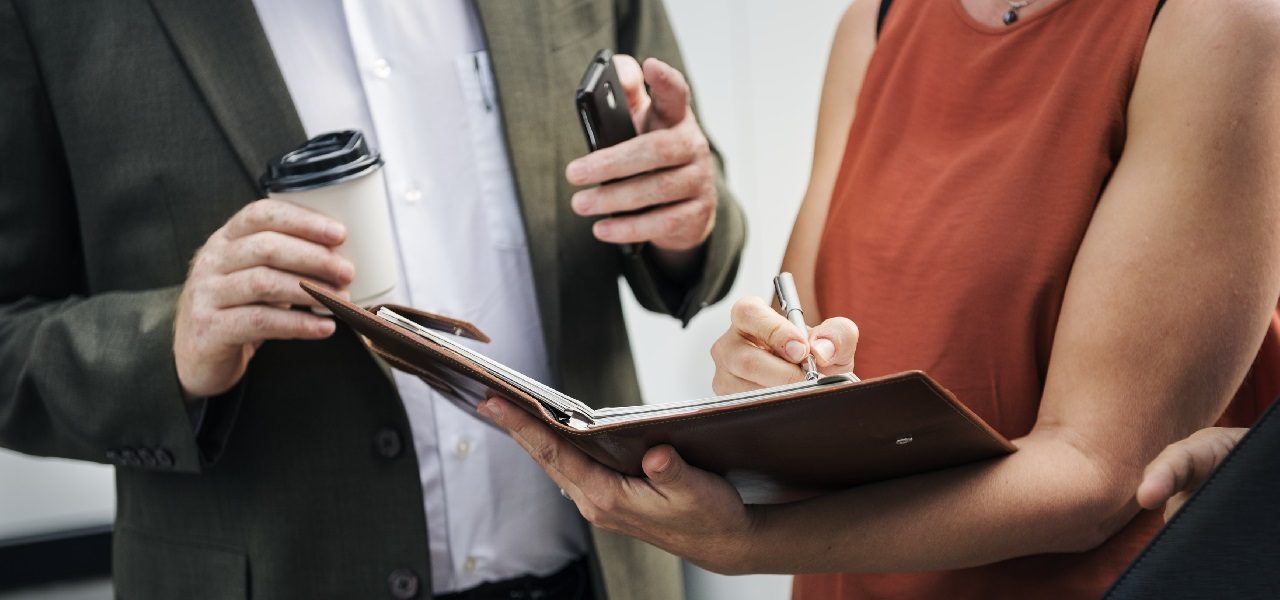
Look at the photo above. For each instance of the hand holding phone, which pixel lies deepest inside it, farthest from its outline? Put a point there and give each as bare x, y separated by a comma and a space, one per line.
602, 104
652, 165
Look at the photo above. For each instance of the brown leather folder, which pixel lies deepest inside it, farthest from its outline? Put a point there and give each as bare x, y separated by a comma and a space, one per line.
774, 445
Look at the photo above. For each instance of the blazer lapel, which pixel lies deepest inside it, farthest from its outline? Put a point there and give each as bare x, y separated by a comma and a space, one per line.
517, 42
228, 56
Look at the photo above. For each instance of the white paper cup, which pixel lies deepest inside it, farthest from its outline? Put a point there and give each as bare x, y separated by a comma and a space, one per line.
337, 175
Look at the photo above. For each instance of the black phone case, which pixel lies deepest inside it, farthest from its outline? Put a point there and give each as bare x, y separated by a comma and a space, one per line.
602, 104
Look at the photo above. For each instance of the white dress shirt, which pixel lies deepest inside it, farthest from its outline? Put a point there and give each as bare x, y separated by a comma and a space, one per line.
414, 77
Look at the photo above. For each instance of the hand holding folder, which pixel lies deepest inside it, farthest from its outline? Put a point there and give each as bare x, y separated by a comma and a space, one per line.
774, 445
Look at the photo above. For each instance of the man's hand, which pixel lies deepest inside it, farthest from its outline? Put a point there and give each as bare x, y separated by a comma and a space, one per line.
668, 168
1179, 470
675, 506
241, 285
763, 349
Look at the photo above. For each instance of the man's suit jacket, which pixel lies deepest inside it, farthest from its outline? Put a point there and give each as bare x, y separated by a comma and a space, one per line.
129, 131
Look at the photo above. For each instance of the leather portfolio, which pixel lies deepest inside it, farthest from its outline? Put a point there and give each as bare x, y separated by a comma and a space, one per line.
774, 444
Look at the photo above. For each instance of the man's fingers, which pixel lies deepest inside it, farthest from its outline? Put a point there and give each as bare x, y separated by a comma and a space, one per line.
257, 285
664, 468
678, 226
1157, 486
669, 91
757, 321
287, 218
254, 323
1184, 465
286, 253
651, 151
642, 191
834, 343
566, 464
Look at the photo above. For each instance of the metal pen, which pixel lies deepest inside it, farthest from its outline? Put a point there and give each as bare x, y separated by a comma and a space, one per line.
789, 299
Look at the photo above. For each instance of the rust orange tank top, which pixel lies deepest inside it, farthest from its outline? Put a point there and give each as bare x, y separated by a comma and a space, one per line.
973, 167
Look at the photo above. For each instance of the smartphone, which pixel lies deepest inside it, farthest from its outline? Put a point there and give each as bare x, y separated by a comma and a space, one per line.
602, 104
604, 113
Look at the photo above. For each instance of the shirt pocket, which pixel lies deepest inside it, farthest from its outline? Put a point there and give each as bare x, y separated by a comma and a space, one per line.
488, 151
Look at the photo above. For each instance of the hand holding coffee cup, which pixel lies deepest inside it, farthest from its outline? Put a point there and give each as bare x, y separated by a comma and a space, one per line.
241, 285
337, 175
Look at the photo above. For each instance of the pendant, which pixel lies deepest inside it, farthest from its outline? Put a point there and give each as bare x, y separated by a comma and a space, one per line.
1010, 17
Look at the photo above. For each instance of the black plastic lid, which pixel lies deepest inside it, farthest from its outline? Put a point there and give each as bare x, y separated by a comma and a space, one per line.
324, 160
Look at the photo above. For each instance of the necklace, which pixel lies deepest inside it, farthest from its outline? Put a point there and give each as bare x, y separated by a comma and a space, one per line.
1011, 16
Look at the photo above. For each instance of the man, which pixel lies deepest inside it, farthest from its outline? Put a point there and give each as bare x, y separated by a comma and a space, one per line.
262, 450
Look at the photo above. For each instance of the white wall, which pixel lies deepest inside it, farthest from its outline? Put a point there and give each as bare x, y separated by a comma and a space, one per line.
757, 66
41, 495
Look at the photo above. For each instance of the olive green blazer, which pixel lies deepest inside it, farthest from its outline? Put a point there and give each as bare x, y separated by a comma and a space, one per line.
129, 131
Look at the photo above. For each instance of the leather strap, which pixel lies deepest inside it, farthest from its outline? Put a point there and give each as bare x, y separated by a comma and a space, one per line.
884, 10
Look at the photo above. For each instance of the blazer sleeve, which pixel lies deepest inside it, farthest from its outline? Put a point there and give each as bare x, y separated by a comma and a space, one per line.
89, 377
644, 31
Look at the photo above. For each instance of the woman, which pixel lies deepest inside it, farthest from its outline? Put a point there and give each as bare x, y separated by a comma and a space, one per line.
1067, 212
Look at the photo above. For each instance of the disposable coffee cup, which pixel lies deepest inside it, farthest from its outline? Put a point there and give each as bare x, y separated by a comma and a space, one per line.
337, 175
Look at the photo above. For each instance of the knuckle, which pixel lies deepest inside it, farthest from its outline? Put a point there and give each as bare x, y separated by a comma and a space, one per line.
700, 146
261, 248
742, 309
666, 148
590, 513
603, 500
261, 284
547, 455
739, 362
259, 319
717, 349
779, 334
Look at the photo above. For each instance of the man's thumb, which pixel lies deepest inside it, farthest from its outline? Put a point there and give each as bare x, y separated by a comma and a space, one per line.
668, 91
663, 466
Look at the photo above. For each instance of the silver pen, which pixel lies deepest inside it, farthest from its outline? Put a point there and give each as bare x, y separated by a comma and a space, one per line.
789, 299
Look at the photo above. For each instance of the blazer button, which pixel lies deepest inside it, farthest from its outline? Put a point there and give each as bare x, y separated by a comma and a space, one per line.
163, 458
388, 443
403, 583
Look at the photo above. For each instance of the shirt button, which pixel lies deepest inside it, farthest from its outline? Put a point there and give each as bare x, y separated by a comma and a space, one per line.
403, 584
469, 565
462, 449
388, 443
381, 68
412, 195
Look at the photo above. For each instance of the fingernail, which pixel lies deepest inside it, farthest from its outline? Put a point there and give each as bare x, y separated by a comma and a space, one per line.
335, 231
795, 351
824, 349
575, 171
603, 231
347, 271
581, 203
662, 467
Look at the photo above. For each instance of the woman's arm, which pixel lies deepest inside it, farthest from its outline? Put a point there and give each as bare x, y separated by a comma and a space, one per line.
1167, 301
851, 50
1168, 298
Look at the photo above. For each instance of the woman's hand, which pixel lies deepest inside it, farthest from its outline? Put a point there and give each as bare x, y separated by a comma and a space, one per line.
679, 508
763, 349
1179, 470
